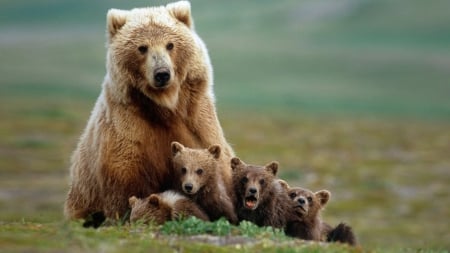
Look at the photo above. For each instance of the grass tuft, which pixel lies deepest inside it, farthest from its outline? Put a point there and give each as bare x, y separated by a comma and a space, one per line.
221, 227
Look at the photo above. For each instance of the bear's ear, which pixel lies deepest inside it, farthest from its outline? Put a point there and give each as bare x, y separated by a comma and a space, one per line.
272, 168
153, 200
115, 19
323, 197
176, 147
132, 201
284, 184
235, 162
182, 11
215, 151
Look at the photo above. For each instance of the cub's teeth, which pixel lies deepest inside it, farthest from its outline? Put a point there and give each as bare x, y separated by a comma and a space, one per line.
250, 203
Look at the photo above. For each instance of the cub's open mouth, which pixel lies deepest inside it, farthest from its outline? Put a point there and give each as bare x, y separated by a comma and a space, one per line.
251, 202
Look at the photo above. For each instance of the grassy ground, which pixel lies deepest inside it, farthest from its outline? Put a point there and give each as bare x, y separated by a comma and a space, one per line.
70, 237
351, 96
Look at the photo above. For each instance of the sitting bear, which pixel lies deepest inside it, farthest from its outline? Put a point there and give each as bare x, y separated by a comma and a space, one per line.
304, 221
200, 176
259, 197
158, 88
162, 207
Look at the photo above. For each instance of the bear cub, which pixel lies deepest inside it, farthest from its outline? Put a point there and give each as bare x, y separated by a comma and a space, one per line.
259, 197
199, 176
162, 207
305, 222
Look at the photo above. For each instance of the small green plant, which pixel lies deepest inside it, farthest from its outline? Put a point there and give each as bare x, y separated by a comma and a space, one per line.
250, 229
221, 227
195, 226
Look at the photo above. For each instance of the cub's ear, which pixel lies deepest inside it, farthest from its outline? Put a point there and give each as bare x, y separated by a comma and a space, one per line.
284, 184
215, 151
176, 147
132, 201
182, 11
235, 162
323, 197
115, 19
272, 168
154, 200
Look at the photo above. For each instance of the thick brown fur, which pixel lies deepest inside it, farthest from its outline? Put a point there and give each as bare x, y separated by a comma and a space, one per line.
259, 197
305, 222
125, 150
161, 207
200, 176
342, 233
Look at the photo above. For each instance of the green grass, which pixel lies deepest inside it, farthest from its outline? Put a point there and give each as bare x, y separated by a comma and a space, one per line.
349, 96
71, 237
173, 236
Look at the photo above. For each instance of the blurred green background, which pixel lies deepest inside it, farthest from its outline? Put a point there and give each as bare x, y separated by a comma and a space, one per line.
352, 96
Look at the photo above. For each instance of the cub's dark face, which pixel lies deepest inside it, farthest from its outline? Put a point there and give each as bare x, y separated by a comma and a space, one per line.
306, 203
251, 182
252, 186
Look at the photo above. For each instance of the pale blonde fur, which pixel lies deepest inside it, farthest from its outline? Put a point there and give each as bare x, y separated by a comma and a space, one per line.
170, 197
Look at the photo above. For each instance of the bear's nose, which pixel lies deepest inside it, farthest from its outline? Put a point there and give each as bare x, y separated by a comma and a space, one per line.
161, 76
301, 201
252, 190
188, 187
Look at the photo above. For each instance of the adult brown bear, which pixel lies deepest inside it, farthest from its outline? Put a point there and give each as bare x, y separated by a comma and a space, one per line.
157, 89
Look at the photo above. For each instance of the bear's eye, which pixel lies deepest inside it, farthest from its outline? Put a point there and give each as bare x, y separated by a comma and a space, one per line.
183, 170
309, 199
143, 49
261, 181
244, 180
199, 171
292, 195
169, 46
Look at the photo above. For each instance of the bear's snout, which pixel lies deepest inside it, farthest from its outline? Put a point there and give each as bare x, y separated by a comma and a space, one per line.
251, 198
188, 187
302, 204
301, 201
252, 190
161, 77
